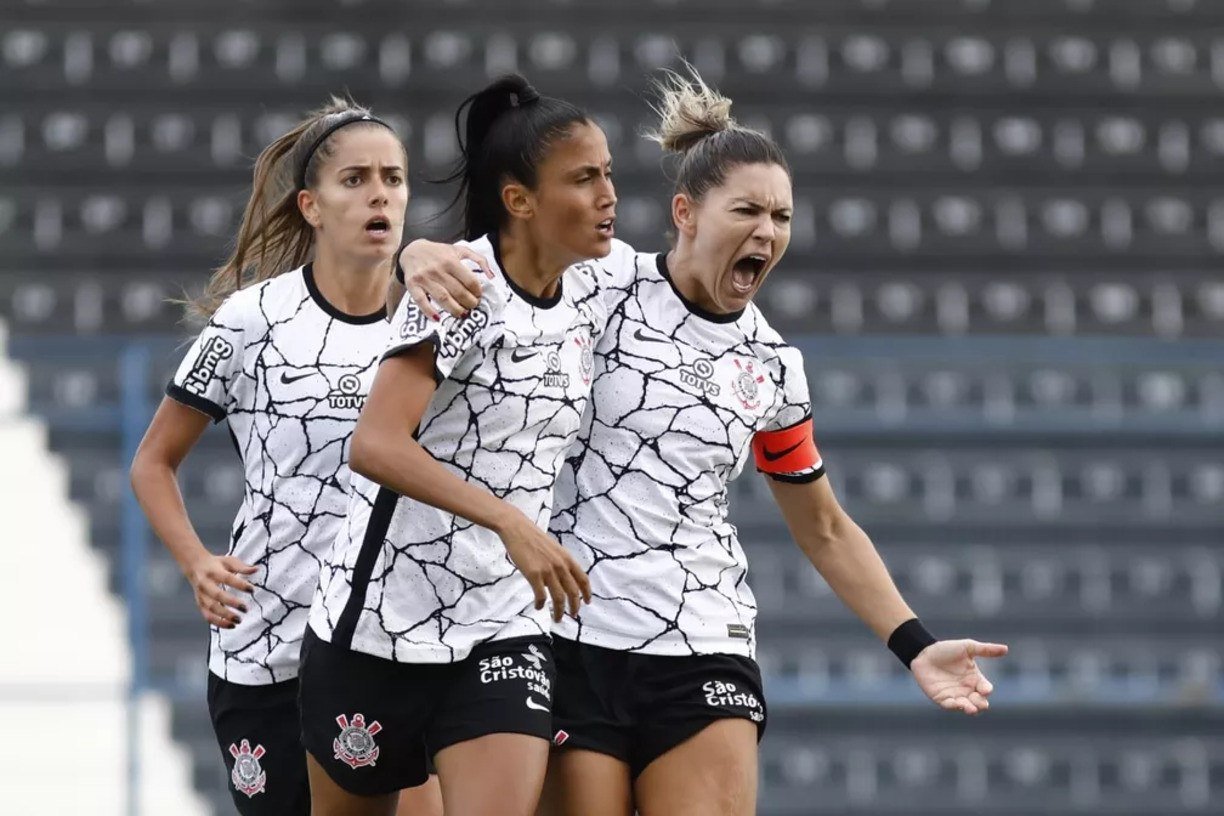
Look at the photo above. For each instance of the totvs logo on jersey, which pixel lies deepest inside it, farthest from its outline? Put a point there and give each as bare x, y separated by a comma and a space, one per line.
347, 394
212, 353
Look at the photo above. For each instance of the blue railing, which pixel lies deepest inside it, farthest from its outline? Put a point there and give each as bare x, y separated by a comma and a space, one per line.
134, 367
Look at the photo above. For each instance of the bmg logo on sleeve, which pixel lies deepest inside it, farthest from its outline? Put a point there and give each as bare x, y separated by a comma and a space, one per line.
213, 352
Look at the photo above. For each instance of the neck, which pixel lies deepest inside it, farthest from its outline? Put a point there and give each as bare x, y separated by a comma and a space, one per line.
533, 268
685, 272
353, 288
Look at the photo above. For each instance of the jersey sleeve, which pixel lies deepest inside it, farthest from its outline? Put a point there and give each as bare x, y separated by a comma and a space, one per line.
451, 337
785, 448
206, 377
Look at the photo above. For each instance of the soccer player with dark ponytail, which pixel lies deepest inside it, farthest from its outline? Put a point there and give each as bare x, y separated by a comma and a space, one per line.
429, 635
659, 703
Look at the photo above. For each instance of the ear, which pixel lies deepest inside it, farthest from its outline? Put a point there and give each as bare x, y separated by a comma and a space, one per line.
309, 207
684, 214
518, 201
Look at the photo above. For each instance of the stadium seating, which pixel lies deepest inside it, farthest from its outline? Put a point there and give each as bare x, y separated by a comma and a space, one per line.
1003, 275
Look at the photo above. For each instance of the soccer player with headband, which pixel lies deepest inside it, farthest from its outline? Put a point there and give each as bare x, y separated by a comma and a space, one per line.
296, 326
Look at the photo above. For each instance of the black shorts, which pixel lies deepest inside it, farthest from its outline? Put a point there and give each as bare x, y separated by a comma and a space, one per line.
368, 720
637, 707
258, 730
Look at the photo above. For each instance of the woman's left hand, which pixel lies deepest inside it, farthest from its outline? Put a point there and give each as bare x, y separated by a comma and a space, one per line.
948, 673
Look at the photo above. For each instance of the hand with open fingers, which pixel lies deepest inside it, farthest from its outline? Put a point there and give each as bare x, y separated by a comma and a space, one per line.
440, 275
547, 566
948, 673
209, 577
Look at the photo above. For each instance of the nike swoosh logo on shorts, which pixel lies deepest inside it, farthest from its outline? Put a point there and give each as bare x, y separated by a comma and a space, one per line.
537, 706
519, 355
772, 456
637, 335
287, 380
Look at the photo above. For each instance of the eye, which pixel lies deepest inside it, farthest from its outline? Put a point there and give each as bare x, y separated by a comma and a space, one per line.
395, 178
783, 218
745, 210
352, 181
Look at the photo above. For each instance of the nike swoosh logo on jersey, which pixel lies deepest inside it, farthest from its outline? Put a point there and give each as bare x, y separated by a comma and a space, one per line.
519, 355
287, 380
637, 335
773, 456
537, 706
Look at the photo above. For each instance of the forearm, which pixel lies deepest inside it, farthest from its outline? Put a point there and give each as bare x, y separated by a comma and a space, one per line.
408, 469
845, 557
157, 490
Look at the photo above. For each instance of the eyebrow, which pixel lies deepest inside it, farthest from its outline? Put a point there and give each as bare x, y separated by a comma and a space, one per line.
591, 168
754, 203
387, 168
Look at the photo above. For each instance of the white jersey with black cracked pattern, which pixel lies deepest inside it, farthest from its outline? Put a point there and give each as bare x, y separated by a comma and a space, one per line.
290, 373
679, 396
412, 583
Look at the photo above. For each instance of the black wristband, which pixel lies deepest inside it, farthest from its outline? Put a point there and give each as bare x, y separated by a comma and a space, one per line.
908, 640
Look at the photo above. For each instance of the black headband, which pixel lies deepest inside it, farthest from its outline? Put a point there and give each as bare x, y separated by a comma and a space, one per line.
309, 154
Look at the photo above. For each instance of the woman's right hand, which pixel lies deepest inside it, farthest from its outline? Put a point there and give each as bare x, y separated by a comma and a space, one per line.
209, 575
546, 565
437, 274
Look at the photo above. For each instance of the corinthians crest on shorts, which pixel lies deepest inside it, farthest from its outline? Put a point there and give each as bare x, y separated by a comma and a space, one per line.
248, 775
355, 746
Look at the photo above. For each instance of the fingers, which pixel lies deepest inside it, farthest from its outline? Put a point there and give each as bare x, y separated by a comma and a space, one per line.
537, 588
216, 613
422, 301
959, 704
557, 591
978, 701
573, 592
479, 260
984, 686
977, 649
232, 578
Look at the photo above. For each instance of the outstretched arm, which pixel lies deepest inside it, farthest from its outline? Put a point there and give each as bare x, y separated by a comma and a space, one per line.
846, 558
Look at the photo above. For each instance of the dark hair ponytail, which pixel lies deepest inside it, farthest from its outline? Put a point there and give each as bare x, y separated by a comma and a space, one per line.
504, 131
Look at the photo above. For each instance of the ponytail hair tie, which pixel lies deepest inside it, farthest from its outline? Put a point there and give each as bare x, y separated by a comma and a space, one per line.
526, 96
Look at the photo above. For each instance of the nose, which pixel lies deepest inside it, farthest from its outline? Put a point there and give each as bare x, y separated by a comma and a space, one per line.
607, 198
766, 229
378, 193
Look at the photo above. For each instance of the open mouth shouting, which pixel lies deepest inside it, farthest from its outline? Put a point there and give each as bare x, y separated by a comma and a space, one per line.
746, 271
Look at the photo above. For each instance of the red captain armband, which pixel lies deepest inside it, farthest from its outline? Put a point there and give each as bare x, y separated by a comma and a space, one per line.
788, 451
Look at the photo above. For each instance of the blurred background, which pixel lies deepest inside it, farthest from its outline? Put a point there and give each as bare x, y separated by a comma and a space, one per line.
1004, 274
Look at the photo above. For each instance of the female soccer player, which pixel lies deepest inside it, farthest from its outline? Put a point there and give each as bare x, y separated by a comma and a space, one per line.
424, 638
287, 357
659, 705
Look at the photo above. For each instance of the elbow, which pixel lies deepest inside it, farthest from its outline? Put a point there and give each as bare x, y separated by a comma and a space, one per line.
140, 470
363, 456
825, 531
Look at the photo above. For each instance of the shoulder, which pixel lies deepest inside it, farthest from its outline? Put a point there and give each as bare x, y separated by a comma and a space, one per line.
619, 267
258, 304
